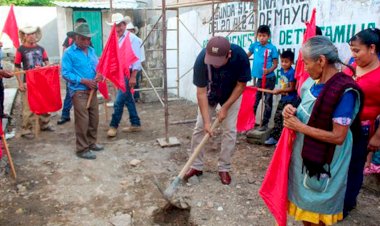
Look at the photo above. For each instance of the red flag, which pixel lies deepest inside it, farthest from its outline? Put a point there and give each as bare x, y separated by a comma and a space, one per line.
246, 116
300, 74
109, 63
274, 189
44, 90
127, 56
11, 29
103, 89
264, 80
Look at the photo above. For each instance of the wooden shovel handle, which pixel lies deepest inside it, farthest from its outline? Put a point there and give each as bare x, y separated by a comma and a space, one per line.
90, 98
197, 150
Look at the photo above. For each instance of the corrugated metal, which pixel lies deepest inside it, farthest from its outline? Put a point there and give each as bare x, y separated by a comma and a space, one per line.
116, 4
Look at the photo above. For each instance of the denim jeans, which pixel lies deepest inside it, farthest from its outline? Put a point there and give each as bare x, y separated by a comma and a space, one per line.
127, 100
269, 84
67, 104
136, 95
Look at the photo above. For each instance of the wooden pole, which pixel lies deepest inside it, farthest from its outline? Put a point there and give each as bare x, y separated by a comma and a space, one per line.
90, 98
37, 125
9, 156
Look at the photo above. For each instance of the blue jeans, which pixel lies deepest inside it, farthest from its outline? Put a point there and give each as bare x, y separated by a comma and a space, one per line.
67, 104
127, 100
136, 95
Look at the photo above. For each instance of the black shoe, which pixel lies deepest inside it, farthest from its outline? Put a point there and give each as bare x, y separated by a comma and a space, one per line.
86, 154
263, 128
96, 147
63, 121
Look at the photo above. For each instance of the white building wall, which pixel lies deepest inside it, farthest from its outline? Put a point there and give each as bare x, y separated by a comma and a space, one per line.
339, 19
44, 17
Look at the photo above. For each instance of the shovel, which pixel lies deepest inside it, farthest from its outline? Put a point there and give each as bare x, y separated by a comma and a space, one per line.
169, 191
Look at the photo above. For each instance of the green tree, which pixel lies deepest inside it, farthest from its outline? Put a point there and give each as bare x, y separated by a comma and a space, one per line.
35, 2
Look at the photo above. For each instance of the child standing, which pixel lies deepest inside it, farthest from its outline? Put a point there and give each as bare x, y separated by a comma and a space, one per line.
258, 49
288, 93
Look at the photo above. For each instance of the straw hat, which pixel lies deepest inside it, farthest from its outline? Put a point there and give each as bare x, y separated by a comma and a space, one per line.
83, 30
117, 18
130, 26
29, 29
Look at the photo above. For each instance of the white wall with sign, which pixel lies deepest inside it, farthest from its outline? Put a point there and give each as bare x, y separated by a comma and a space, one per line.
338, 19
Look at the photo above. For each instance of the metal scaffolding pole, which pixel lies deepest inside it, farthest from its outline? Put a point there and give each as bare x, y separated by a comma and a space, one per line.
172, 141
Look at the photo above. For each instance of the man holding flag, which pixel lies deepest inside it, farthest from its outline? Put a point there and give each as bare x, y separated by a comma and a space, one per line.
132, 65
30, 55
79, 63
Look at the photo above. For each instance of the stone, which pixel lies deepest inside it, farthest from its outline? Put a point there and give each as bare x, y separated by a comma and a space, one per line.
134, 162
210, 204
121, 220
19, 211
220, 208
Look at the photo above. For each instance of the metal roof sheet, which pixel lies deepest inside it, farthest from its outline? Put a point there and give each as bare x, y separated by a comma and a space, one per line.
116, 4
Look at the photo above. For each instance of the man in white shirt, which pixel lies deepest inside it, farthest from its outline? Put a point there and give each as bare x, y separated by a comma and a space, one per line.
126, 98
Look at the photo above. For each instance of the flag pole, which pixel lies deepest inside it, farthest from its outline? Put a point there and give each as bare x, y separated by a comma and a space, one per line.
89, 98
9, 156
37, 126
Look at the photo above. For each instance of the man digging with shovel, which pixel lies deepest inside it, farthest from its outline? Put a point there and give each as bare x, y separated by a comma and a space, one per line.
221, 72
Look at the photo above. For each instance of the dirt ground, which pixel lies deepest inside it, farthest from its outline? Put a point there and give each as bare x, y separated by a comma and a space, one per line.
54, 187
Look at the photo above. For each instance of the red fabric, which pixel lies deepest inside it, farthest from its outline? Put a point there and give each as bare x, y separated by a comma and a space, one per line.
274, 189
11, 29
18, 58
44, 90
103, 89
1, 134
110, 64
369, 83
300, 74
264, 81
128, 57
246, 116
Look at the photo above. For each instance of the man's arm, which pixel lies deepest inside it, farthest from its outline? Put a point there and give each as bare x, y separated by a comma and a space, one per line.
203, 107
137, 65
238, 90
5, 74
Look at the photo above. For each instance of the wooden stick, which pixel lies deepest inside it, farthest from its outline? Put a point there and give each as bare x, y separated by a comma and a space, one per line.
37, 126
105, 110
9, 156
265, 90
90, 98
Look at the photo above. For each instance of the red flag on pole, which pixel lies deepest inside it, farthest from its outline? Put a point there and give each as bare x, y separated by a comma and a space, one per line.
11, 29
109, 63
44, 90
264, 80
274, 189
300, 74
127, 56
246, 116
103, 89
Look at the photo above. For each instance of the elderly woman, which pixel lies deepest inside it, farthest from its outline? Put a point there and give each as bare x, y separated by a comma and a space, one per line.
322, 149
365, 49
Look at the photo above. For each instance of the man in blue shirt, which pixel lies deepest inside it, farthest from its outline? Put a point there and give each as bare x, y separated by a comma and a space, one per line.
126, 98
78, 68
258, 49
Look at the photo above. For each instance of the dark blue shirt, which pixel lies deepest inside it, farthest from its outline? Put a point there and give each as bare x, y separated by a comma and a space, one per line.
285, 79
224, 79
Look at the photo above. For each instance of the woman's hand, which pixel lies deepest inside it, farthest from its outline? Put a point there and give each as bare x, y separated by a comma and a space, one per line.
289, 111
293, 123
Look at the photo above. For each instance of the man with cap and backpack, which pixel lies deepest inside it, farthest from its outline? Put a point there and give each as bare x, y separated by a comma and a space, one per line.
221, 72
